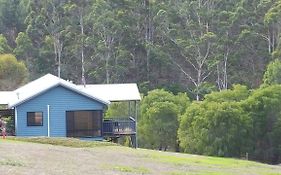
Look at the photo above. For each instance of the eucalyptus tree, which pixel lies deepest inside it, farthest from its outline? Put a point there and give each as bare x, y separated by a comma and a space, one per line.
251, 46
25, 51
78, 29
273, 25
48, 18
189, 34
109, 28
12, 16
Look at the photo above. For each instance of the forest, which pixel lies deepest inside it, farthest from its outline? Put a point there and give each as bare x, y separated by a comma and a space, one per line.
208, 69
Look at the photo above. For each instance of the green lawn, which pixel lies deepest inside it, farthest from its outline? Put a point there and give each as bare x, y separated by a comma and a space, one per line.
72, 156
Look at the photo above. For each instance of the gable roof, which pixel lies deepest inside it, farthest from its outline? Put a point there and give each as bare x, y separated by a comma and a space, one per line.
113, 92
43, 84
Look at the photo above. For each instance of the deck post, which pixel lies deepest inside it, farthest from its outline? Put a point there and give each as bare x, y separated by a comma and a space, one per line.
48, 113
16, 120
136, 121
129, 108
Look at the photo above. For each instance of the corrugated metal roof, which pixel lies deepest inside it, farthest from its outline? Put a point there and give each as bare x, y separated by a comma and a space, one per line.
5, 96
114, 92
103, 93
43, 84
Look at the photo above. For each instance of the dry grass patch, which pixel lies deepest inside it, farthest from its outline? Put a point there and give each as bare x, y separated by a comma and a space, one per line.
129, 169
9, 162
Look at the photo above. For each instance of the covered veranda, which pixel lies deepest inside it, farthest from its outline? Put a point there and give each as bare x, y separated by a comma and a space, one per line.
117, 127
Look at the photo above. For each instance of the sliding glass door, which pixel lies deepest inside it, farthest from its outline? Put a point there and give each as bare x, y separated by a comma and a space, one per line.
83, 123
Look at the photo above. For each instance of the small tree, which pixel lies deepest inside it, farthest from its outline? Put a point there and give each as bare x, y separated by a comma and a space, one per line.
12, 72
158, 124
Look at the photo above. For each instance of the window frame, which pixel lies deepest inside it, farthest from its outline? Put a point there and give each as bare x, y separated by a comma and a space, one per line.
34, 124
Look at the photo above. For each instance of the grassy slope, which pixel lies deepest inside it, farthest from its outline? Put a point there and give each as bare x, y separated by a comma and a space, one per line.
19, 157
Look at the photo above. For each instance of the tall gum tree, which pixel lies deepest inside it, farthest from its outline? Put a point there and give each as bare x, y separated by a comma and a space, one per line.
47, 18
190, 35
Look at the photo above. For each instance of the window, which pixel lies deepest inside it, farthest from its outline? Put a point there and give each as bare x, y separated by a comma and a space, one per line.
35, 119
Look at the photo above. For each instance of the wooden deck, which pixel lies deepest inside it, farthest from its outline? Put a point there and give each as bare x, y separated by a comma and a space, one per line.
118, 127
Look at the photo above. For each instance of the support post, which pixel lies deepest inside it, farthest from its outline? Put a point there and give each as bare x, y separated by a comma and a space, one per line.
48, 113
129, 110
136, 126
16, 120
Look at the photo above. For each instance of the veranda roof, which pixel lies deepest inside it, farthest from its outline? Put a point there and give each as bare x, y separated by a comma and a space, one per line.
4, 97
114, 92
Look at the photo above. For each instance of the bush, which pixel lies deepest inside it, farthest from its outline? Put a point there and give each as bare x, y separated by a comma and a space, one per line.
159, 120
264, 108
217, 129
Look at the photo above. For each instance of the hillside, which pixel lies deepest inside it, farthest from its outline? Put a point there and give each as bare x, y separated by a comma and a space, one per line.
177, 45
33, 158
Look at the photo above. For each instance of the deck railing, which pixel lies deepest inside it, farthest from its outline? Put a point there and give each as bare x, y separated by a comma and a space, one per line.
119, 126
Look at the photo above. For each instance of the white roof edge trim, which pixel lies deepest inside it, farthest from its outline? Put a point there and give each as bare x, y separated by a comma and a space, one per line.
55, 85
11, 105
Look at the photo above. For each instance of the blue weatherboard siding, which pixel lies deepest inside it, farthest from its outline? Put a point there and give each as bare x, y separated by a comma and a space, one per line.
60, 100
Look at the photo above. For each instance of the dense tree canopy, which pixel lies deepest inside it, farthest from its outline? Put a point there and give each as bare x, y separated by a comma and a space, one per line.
194, 46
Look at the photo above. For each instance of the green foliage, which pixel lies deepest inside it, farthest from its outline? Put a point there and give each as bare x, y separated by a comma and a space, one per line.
4, 47
233, 123
176, 45
273, 73
214, 128
264, 107
236, 94
12, 72
158, 124
12, 17
118, 110
218, 125
24, 49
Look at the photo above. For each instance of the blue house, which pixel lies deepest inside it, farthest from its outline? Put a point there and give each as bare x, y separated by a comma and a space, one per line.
53, 107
